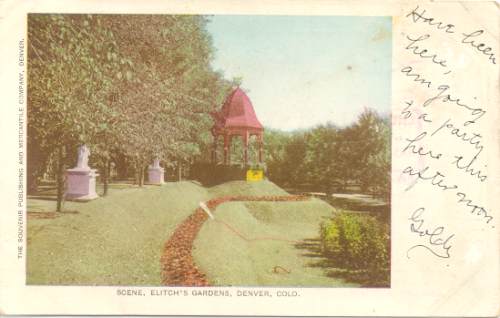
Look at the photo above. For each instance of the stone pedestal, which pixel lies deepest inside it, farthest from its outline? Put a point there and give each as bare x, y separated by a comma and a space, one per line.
80, 181
156, 173
81, 184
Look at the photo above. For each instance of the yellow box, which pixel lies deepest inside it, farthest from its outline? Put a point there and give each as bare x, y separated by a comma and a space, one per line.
255, 175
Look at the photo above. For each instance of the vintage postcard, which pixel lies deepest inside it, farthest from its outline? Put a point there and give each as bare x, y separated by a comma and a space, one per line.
286, 158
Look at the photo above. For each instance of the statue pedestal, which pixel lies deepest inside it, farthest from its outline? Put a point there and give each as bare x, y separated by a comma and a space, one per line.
155, 175
81, 184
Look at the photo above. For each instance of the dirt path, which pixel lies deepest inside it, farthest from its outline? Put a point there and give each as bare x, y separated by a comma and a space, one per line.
177, 265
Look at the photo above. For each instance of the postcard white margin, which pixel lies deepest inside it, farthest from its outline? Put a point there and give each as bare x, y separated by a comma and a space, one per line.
465, 284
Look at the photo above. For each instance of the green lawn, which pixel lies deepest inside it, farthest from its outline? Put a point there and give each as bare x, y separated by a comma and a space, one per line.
246, 188
118, 239
266, 250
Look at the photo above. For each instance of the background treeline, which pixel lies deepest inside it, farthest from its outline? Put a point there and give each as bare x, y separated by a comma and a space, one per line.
328, 158
131, 87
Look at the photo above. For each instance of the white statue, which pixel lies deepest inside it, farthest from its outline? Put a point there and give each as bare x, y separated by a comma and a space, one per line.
156, 164
81, 180
156, 173
83, 157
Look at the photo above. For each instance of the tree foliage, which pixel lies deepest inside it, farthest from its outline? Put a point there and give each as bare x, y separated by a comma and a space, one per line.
328, 158
131, 87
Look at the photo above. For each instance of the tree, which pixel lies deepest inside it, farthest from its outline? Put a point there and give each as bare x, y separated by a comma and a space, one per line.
365, 152
166, 106
72, 63
375, 146
131, 87
294, 167
274, 149
322, 159
327, 156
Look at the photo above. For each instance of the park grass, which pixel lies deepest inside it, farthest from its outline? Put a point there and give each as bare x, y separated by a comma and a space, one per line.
258, 244
246, 188
119, 239
113, 240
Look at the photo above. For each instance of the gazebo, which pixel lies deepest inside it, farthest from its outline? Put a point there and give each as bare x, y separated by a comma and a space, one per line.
236, 118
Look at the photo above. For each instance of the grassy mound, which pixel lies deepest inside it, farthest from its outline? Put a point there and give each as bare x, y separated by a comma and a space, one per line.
116, 240
256, 244
119, 239
246, 188
291, 213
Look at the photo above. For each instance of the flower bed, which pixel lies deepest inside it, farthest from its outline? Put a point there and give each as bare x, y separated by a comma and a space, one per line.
178, 268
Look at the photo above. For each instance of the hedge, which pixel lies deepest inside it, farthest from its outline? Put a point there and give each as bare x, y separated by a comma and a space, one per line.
357, 242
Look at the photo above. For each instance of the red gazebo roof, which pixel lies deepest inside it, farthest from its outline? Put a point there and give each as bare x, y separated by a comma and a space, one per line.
237, 112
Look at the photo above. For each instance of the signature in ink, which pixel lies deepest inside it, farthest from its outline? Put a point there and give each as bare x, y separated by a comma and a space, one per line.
437, 243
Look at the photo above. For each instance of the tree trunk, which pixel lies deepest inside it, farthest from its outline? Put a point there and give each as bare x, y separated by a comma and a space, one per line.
109, 170
107, 165
141, 176
180, 172
328, 190
32, 181
60, 178
137, 173
121, 166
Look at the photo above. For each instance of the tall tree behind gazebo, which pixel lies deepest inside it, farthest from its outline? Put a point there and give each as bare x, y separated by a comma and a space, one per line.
236, 118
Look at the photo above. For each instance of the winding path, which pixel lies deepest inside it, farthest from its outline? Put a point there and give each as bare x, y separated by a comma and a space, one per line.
177, 264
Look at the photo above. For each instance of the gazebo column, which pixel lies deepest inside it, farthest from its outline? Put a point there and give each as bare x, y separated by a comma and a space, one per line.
245, 147
227, 144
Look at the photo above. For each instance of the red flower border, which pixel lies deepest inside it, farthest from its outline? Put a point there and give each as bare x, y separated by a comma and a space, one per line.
177, 264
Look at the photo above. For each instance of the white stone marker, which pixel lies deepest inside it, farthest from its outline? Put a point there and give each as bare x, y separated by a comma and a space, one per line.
156, 173
81, 180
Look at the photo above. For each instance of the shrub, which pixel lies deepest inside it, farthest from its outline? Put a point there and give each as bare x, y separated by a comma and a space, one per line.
330, 242
210, 174
357, 242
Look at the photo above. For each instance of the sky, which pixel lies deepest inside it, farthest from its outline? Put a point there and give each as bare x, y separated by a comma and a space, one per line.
301, 71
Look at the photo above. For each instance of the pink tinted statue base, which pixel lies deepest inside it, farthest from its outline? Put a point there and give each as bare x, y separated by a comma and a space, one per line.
81, 180
156, 173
